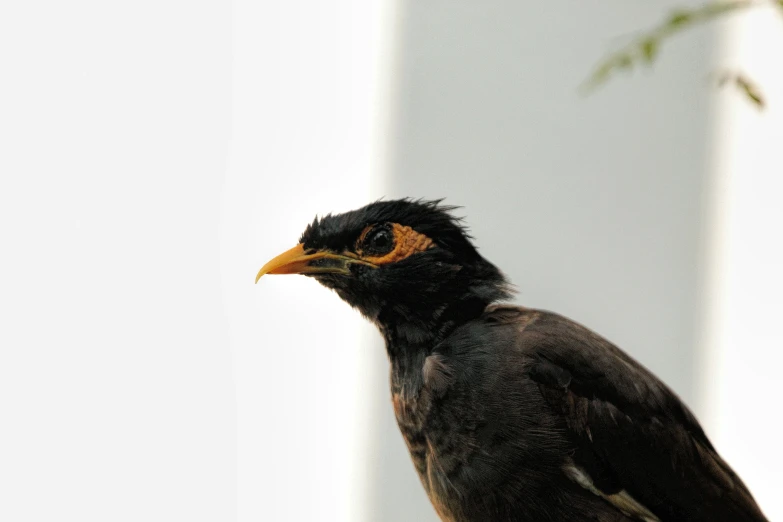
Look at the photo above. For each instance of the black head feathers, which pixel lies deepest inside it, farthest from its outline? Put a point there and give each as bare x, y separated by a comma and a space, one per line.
431, 218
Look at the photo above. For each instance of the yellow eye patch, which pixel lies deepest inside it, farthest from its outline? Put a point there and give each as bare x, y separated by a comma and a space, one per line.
406, 243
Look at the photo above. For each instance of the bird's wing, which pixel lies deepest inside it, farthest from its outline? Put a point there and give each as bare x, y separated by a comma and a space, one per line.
636, 443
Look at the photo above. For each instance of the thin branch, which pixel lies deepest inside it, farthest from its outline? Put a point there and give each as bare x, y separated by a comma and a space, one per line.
644, 49
745, 86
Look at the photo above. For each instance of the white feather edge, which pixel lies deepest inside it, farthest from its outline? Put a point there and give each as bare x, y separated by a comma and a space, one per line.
622, 500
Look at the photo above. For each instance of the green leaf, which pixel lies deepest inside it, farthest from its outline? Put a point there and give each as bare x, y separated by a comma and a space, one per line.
617, 62
598, 77
679, 19
649, 47
624, 61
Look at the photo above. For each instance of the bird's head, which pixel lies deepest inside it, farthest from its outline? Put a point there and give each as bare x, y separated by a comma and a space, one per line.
407, 265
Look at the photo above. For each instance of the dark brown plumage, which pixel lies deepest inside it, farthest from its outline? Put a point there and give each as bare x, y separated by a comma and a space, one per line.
511, 414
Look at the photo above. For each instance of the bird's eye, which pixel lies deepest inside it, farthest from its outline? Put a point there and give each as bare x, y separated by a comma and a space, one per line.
380, 240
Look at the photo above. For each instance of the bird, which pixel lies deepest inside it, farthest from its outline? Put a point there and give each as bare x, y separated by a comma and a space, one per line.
510, 413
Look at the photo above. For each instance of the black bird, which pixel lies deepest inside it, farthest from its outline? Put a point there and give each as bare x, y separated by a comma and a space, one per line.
511, 414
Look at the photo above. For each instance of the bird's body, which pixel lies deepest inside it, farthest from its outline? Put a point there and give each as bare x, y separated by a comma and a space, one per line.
467, 417
505, 430
512, 414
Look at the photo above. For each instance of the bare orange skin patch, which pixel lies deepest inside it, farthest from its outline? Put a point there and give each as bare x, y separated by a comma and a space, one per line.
406, 243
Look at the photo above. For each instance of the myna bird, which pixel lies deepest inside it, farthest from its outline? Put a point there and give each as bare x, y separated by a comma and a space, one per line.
510, 413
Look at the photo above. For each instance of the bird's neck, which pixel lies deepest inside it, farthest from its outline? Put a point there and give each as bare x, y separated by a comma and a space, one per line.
410, 333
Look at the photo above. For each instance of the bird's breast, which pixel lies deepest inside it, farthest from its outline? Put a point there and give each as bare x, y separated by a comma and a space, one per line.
417, 385
411, 413
432, 439
415, 417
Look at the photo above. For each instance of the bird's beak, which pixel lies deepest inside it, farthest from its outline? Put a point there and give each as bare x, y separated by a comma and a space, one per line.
296, 261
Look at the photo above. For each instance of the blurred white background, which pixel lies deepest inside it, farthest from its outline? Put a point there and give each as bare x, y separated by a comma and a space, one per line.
155, 154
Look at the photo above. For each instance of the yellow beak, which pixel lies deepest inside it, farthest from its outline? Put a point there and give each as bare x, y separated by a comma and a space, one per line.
296, 261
